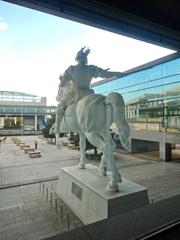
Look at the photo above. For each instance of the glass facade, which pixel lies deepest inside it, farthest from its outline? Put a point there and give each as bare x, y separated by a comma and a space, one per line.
8, 96
23, 103
20, 110
152, 106
152, 99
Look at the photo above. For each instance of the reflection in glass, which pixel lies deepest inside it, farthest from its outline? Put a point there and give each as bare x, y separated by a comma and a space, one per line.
152, 98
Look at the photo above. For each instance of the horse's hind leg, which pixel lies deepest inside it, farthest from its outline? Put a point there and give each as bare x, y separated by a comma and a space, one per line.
105, 143
82, 144
123, 126
109, 146
104, 163
97, 140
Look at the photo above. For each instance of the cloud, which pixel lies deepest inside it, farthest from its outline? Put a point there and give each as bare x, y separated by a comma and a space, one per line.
3, 24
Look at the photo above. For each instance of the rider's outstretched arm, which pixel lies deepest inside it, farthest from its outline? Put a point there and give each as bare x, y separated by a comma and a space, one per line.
108, 74
105, 73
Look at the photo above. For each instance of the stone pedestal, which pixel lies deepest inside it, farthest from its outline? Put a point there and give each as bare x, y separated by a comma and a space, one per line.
83, 190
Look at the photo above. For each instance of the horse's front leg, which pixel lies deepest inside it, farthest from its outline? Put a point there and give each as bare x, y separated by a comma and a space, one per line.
57, 138
82, 145
58, 142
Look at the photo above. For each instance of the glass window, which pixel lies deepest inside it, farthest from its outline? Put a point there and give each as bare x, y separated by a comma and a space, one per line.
171, 67
113, 85
154, 73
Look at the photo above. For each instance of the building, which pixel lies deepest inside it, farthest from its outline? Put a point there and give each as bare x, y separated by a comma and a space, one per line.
153, 21
22, 113
152, 99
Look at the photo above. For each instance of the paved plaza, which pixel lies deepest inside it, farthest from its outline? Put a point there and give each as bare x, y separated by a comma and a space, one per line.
25, 211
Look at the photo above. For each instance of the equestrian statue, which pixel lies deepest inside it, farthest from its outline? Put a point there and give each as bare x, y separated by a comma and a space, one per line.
82, 111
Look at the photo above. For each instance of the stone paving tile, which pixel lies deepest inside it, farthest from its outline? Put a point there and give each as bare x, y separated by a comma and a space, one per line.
16, 166
36, 218
161, 179
24, 212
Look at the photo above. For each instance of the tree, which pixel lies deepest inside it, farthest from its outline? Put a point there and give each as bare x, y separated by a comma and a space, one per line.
45, 131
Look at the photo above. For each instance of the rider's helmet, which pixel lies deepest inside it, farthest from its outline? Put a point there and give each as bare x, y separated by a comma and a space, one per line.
82, 55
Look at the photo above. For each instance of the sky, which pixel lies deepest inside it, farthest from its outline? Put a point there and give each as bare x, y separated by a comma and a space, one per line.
35, 48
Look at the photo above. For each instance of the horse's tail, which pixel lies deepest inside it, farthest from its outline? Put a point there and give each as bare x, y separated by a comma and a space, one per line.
118, 106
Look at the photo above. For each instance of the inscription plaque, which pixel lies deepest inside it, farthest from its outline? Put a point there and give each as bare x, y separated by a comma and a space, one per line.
77, 191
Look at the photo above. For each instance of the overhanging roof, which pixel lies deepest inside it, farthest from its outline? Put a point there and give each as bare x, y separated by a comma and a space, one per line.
157, 22
141, 68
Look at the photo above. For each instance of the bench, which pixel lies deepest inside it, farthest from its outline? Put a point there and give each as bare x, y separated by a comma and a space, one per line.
28, 149
19, 143
51, 141
65, 144
22, 146
71, 146
34, 154
14, 139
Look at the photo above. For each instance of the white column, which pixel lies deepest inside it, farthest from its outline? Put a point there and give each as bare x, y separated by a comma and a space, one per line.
126, 112
22, 121
35, 122
133, 112
1, 121
137, 112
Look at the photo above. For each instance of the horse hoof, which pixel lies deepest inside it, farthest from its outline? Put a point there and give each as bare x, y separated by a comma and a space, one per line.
104, 171
81, 165
104, 165
119, 179
127, 147
110, 188
59, 146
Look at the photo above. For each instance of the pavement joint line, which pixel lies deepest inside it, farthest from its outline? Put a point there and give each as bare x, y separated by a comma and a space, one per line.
37, 163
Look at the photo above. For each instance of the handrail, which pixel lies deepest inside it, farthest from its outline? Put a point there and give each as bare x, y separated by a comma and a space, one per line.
35, 181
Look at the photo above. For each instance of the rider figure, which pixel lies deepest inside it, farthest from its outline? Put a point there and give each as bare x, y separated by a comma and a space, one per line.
75, 83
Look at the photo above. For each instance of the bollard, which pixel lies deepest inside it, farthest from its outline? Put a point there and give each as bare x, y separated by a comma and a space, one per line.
40, 186
61, 213
51, 185
56, 206
68, 221
43, 188
51, 199
76, 225
46, 194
